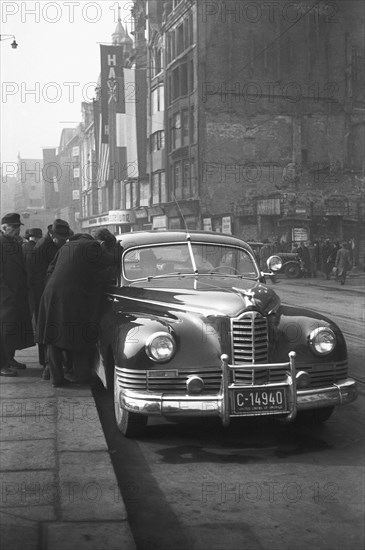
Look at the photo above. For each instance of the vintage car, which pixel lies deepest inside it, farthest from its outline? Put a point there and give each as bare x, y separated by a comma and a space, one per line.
292, 266
190, 328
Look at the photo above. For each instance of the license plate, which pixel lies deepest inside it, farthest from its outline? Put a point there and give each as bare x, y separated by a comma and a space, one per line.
260, 400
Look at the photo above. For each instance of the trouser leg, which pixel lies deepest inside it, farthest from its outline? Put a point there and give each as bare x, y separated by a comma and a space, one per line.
55, 364
82, 366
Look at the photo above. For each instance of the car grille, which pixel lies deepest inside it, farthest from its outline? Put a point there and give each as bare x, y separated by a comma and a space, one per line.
322, 374
249, 338
175, 382
171, 381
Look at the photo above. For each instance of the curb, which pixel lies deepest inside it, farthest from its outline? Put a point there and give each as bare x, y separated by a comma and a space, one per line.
58, 486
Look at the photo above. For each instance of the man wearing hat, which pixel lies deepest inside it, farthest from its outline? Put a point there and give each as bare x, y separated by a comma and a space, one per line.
45, 250
34, 235
15, 322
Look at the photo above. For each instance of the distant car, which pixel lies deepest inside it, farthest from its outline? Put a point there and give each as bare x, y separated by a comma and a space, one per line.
292, 266
190, 328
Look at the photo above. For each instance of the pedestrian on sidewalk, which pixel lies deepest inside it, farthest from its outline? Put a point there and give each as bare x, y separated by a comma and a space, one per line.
328, 258
16, 330
68, 313
343, 263
34, 235
45, 250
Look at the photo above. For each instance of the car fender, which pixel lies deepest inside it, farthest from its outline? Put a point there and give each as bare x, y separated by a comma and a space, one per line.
293, 329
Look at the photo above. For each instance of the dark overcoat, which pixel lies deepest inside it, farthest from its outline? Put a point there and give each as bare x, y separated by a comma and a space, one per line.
68, 312
15, 321
44, 252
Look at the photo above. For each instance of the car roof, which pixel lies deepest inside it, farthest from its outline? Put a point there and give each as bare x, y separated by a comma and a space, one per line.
141, 238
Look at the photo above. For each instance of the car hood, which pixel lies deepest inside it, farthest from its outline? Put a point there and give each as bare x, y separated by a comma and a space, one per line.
207, 295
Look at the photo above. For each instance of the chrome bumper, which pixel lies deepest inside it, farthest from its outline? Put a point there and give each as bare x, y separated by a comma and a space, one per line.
164, 404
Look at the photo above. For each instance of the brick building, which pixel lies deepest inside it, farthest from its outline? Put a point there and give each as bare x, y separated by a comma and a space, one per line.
256, 118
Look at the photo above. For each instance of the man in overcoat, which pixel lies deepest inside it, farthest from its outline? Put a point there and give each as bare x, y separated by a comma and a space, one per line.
343, 263
16, 330
45, 250
34, 235
68, 313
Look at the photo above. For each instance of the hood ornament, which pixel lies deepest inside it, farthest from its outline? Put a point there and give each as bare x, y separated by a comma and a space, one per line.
248, 296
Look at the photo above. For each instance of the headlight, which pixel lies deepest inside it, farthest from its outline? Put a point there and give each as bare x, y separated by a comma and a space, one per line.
322, 340
274, 263
160, 347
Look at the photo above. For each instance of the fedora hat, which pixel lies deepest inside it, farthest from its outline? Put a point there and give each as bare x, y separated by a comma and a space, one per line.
12, 219
35, 232
60, 228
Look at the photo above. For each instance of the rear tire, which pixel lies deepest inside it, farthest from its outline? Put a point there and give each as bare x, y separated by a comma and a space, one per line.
292, 271
130, 424
315, 416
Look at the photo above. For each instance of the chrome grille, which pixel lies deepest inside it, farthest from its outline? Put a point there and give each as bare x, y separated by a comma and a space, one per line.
138, 380
168, 381
322, 374
249, 338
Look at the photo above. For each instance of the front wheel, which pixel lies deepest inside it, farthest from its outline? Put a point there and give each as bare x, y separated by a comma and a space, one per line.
130, 424
292, 271
315, 416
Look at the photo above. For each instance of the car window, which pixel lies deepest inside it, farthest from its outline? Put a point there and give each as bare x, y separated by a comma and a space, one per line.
175, 259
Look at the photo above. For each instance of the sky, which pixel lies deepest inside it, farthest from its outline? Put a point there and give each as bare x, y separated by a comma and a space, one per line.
54, 68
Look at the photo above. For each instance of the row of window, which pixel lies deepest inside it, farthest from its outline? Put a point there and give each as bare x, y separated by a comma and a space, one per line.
183, 179
180, 81
182, 131
183, 186
182, 128
180, 38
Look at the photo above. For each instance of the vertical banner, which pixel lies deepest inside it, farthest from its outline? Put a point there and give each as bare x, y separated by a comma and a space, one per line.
111, 101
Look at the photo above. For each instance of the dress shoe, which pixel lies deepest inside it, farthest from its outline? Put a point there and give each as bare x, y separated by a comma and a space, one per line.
7, 371
16, 365
46, 374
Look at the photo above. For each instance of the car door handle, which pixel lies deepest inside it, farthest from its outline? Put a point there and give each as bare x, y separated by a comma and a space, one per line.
114, 300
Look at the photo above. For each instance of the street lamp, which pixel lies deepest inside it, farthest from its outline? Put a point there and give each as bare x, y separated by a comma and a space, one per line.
14, 44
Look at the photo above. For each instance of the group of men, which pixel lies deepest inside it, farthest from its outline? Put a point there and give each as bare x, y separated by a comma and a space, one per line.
326, 257
50, 293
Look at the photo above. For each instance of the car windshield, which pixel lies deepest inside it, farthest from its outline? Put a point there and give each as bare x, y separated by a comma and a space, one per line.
183, 259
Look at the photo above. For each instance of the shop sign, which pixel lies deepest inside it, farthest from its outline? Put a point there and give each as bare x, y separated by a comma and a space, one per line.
120, 217
268, 207
159, 222
226, 225
300, 234
142, 213
207, 224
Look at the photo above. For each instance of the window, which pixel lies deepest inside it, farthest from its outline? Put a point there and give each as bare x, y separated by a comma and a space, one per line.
180, 39
157, 61
158, 141
185, 127
144, 193
158, 188
192, 125
128, 196
176, 83
157, 100
177, 184
186, 178
176, 131
191, 75
183, 79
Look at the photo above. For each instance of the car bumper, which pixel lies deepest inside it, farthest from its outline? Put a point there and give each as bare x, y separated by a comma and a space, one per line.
220, 405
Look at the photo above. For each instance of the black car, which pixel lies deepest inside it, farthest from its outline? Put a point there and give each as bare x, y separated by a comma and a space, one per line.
190, 328
292, 265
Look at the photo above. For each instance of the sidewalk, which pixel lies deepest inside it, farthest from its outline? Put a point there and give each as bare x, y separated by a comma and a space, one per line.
58, 487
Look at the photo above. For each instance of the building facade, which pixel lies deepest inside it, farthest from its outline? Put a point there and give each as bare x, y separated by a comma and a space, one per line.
256, 119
